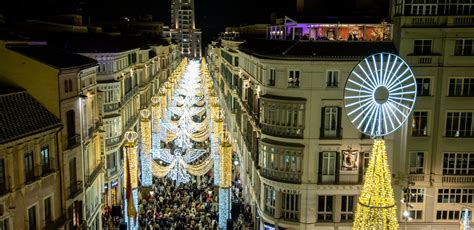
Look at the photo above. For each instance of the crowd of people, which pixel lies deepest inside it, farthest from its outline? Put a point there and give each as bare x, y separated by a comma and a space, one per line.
184, 206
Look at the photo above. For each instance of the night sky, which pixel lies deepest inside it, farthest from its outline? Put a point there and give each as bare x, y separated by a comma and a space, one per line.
212, 16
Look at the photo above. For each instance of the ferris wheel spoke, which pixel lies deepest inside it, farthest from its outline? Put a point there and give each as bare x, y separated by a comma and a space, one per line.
403, 99
403, 87
385, 117
372, 83
381, 69
370, 116
389, 73
366, 83
393, 75
399, 104
403, 93
400, 76
358, 90
376, 118
376, 72
360, 107
371, 76
364, 108
384, 77
393, 112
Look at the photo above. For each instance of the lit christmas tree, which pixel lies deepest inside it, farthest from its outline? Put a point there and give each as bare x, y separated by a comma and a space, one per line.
376, 208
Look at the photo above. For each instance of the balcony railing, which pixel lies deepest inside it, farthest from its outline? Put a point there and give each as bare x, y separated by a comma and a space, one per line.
458, 179
284, 176
111, 107
113, 141
73, 141
90, 179
282, 131
75, 189
290, 215
417, 177
433, 21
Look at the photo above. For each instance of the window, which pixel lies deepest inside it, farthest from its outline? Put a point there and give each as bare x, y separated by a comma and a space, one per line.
280, 162
32, 218
329, 163
366, 160
461, 87
331, 122
419, 123
284, 119
270, 196
417, 161
447, 215
459, 124
423, 86
422, 47
290, 206
458, 164
294, 78
3, 181
45, 162
48, 216
463, 48
29, 167
455, 196
4, 225
424, 9
416, 214
416, 195
347, 208
325, 208
271, 81
332, 78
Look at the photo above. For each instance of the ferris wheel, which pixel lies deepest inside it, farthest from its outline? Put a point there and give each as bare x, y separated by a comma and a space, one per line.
380, 93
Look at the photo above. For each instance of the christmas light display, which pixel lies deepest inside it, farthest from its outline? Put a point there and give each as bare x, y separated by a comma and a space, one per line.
224, 207
225, 162
378, 97
131, 179
377, 208
145, 126
156, 118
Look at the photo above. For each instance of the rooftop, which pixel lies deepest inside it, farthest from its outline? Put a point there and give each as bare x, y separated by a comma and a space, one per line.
310, 50
54, 57
21, 115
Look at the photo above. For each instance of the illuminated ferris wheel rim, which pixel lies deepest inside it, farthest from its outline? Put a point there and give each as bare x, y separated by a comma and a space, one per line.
379, 94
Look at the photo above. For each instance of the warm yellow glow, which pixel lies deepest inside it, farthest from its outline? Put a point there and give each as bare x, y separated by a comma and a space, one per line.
376, 208
146, 135
132, 157
225, 165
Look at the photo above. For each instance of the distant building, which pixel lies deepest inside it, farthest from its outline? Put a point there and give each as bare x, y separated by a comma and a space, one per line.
183, 28
30, 163
65, 83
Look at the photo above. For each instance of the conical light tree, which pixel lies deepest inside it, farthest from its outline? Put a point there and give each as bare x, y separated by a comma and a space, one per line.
379, 96
377, 208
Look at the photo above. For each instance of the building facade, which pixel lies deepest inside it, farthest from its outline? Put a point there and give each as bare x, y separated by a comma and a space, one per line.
30, 173
302, 161
183, 28
436, 40
65, 83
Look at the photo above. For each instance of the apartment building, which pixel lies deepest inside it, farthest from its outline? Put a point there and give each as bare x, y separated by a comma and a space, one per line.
65, 83
183, 28
302, 161
30, 173
436, 37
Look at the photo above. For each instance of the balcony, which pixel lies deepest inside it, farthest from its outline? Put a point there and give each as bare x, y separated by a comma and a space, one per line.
283, 176
75, 189
423, 60
437, 21
113, 141
458, 179
416, 177
110, 107
282, 131
91, 178
73, 141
